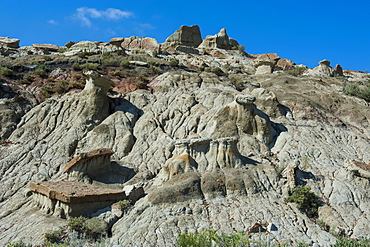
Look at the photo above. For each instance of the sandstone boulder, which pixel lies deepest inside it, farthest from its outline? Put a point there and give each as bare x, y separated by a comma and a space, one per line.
96, 159
116, 41
323, 69
46, 47
185, 36
10, 43
265, 63
220, 40
136, 43
284, 64
338, 71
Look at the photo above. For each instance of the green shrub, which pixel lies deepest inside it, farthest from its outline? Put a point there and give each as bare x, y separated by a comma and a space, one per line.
95, 228
307, 201
6, 72
296, 71
106, 54
110, 61
40, 70
116, 73
62, 49
47, 58
53, 237
89, 66
18, 244
76, 66
125, 64
124, 204
174, 62
77, 224
357, 91
85, 54
237, 83
207, 237
28, 77
344, 242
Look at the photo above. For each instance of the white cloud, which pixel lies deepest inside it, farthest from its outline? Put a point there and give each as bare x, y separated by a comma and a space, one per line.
84, 14
52, 22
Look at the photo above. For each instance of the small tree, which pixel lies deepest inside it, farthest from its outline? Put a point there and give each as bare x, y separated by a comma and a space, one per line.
307, 201
174, 62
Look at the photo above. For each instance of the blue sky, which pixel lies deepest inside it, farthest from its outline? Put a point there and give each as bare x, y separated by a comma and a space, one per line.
303, 31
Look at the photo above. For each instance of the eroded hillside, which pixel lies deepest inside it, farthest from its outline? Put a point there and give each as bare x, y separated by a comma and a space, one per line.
216, 137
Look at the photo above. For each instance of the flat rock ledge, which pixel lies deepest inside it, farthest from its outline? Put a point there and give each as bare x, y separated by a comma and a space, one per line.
84, 157
72, 199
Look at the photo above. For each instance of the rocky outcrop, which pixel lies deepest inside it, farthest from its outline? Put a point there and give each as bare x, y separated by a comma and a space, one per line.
323, 69
46, 47
93, 47
9, 43
72, 199
137, 43
176, 146
220, 40
338, 71
284, 65
185, 36
265, 63
92, 162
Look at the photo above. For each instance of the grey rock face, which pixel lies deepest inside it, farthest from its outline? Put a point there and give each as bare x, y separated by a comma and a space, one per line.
10, 43
220, 40
207, 156
323, 69
186, 36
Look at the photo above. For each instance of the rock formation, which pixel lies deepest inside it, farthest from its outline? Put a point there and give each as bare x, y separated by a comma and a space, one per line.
137, 43
323, 69
265, 63
213, 143
185, 36
220, 40
9, 43
72, 199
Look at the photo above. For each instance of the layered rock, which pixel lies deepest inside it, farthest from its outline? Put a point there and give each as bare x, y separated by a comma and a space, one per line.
323, 69
9, 43
185, 36
265, 63
92, 162
220, 40
46, 47
72, 199
136, 43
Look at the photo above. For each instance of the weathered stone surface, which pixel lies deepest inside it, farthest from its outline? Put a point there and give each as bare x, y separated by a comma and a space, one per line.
133, 192
46, 47
185, 36
265, 63
220, 40
338, 71
323, 69
116, 41
136, 43
76, 192
186, 49
298, 130
81, 159
284, 64
8, 42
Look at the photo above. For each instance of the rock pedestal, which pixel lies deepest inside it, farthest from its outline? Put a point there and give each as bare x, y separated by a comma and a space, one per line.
220, 40
185, 36
72, 199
